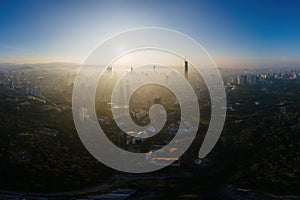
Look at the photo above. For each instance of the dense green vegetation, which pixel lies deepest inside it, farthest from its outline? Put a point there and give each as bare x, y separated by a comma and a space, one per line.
265, 143
267, 153
31, 161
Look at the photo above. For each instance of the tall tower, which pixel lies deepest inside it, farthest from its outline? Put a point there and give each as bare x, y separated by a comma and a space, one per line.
186, 68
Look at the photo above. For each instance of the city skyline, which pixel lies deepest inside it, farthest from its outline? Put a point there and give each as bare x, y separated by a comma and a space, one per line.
236, 34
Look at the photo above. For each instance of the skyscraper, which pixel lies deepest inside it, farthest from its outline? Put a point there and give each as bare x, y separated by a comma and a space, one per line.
186, 68
241, 79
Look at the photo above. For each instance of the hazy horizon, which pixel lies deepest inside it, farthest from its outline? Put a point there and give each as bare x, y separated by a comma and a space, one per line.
236, 34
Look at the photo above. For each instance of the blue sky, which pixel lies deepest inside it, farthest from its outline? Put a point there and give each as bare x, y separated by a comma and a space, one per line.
236, 33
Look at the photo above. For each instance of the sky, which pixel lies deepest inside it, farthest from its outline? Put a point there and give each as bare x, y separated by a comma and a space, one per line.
256, 33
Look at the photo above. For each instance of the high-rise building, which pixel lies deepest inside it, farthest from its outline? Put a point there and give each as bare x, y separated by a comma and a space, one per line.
186, 68
241, 79
122, 139
37, 91
33, 90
